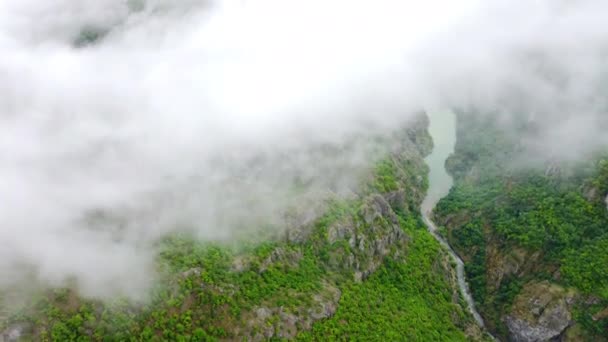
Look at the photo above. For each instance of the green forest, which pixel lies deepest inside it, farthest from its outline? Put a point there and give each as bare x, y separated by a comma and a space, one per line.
545, 222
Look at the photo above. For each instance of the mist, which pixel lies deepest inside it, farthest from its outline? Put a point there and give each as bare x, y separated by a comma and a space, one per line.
124, 121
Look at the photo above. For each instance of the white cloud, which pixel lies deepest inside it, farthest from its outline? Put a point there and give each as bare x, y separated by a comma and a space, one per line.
153, 121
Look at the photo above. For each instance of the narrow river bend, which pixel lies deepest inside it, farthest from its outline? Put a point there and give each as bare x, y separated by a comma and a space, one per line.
443, 130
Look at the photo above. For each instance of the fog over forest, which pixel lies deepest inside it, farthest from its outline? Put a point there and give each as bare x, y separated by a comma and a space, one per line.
123, 121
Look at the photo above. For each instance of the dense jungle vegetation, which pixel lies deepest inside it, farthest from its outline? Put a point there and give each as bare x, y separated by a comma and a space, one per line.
516, 225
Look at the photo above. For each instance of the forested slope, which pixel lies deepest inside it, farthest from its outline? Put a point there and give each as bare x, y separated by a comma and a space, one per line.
533, 235
365, 269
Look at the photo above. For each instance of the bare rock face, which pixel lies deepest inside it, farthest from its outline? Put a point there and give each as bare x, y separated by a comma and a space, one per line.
501, 265
590, 193
277, 322
12, 334
418, 134
369, 241
287, 257
541, 312
553, 170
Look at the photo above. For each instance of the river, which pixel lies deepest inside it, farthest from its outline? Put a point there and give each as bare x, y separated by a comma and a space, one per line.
443, 130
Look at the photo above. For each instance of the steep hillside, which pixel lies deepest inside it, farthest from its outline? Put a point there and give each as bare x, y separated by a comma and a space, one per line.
366, 268
533, 237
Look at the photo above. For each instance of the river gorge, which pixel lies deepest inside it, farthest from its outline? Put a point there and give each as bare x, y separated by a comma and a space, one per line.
443, 131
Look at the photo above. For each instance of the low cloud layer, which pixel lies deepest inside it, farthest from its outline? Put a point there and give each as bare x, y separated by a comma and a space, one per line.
122, 121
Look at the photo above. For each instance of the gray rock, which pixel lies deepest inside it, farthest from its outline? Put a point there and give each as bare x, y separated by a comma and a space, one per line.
263, 313
590, 193
298, 235
376, 206
396, 199
13, 333
239, 264
287, 257
285, 324
522, 331
326, 304
340, 231
191, 272
540, 313
553, 170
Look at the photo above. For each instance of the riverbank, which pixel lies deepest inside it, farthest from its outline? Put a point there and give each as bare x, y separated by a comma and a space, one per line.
443, 131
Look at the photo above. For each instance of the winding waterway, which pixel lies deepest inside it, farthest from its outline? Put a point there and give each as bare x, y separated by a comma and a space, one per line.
443, 130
